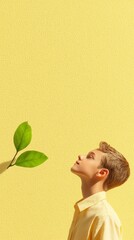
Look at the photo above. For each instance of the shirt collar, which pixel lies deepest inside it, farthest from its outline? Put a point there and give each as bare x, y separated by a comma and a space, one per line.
82, 204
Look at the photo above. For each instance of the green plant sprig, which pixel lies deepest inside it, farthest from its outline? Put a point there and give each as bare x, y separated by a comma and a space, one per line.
22, 138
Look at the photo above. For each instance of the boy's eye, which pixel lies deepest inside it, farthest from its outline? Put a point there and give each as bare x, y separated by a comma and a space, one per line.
90, 156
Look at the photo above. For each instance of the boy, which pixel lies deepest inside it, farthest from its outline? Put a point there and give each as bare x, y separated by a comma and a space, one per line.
101, 170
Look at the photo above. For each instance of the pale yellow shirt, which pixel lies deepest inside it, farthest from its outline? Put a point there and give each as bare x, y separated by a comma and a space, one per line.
95, 219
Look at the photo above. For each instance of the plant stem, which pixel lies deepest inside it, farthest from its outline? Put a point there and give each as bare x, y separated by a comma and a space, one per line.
10, 165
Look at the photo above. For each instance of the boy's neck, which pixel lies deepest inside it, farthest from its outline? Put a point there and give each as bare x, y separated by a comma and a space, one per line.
89, 189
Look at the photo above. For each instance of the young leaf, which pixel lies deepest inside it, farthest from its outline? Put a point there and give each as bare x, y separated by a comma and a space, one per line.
31, 159
22, 136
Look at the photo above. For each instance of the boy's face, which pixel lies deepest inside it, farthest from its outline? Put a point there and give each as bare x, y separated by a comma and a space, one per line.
87, 165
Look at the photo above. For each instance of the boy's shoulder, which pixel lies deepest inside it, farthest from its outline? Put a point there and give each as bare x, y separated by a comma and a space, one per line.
102, 211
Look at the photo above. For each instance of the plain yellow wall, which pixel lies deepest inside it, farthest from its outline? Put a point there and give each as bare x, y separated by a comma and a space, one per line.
67, 67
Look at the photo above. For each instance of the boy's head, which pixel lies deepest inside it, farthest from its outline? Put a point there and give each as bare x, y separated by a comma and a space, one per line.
105, 165
115, 162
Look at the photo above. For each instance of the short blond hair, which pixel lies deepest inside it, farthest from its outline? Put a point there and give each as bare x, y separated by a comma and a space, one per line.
115, 162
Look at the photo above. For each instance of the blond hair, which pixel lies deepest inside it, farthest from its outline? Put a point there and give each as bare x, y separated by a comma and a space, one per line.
115, 162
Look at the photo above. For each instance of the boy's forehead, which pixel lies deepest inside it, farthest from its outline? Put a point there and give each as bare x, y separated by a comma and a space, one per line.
97, 153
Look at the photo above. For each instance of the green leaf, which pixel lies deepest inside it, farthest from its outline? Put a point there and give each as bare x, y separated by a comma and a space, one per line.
22, 136
31, 159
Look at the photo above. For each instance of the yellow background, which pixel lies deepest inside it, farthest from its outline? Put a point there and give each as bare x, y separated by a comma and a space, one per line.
67, 67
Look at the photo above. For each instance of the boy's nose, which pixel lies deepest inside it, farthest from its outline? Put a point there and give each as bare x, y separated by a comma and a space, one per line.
80, 157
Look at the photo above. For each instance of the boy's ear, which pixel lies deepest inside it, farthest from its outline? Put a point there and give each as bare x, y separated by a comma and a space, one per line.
103, 172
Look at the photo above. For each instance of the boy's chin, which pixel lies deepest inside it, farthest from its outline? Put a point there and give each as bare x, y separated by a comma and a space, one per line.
71, 169
75, 171
74, 168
